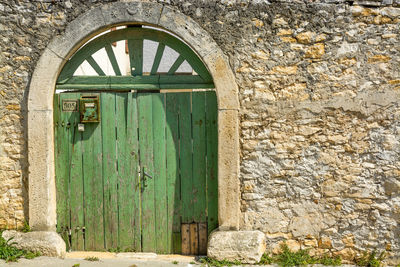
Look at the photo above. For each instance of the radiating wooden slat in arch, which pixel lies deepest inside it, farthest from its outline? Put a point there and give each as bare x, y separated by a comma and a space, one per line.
113, 60
157, 58
178, 62
95, 66
134, 34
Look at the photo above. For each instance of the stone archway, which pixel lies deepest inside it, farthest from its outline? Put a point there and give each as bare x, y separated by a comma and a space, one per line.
42, 193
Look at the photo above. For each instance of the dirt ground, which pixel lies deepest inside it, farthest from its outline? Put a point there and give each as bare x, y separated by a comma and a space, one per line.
106, 259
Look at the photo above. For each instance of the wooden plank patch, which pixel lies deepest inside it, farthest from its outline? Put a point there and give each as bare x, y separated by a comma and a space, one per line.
185, 238
194, 239
203, 239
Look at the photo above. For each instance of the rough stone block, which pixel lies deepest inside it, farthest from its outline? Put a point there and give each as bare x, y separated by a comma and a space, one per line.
223, 77
228, 162
245, 246
47, 243
43, 81
42, 190
188, 30
77, 33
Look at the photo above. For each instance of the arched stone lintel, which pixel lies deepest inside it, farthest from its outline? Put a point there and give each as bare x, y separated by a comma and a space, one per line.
42, 190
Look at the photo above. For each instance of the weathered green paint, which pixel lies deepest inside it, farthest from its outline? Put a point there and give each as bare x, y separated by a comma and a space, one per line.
62, 177
178, 62
95, 66
113, 60
157, 81
110, 175
130, 80
127, 151
186, 156
133, 139
157, 58
93, 186
145, 113
212, 160
160, 179
135, 47
76, 183
128, 87
173, 178
171, 137
199, 158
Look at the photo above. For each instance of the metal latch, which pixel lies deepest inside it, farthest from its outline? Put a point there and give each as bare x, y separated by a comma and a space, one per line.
144, 178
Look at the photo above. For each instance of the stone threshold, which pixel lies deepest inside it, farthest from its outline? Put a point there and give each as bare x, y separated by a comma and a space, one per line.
129, 255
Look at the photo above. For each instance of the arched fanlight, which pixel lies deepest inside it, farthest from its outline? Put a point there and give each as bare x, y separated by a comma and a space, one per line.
135, 38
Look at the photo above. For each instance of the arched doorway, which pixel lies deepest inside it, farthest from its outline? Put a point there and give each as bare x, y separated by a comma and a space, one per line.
135, 156
42, 188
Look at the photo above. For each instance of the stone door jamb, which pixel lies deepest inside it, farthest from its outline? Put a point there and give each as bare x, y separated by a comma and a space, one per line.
42, 189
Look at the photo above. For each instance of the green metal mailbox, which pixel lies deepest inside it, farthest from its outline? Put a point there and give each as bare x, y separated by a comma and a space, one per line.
89, 107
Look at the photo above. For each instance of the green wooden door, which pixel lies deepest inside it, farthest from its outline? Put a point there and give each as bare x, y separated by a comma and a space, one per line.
144, 178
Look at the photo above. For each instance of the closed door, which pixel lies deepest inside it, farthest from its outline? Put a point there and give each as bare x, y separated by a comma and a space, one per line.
143, 178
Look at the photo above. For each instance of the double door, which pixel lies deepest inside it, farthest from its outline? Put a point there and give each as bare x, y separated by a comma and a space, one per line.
142, 178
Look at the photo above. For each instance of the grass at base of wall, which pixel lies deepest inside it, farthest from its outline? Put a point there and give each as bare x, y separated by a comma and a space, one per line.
26, 228
298, 258
216, 263
302, 257
371, 259
285, 258
10, 253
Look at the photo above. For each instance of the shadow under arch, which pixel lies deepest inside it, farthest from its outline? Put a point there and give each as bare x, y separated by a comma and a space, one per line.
42, 193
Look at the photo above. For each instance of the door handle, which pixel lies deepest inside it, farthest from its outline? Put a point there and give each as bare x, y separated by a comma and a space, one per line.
144, 178
148, 175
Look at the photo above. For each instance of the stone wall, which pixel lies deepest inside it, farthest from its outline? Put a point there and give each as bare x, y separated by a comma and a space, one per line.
320, 118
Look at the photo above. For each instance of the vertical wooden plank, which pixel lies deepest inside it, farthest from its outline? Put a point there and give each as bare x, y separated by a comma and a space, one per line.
88, 176
185, 238
136, 56
108, 142
212, 160
58, 132
69, 128
135, 167
194, 239
93, 186
76, 183
173, 180
146, 158
185, 146
176, 242
57, 151
160, 180
125, 179
77, 204
69, 118
203, 238
63, 171
199, 156
128, 191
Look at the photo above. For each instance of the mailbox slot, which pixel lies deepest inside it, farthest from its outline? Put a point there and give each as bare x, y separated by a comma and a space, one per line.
89, 107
